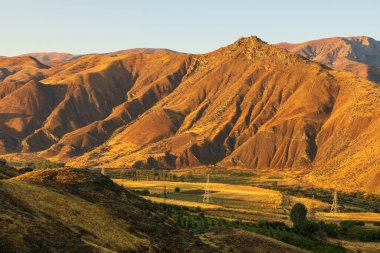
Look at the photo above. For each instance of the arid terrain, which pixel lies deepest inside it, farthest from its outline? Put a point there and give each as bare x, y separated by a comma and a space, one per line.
248, 105
359, 55
110, 152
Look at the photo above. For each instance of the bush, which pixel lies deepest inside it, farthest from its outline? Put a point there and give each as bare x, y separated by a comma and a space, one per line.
144, 192
3, 162
330, 229
177, 189
298, 214
273, 224
350, 223
308, 228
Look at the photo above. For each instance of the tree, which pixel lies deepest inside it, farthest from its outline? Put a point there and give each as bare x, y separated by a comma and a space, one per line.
177, 189
298, 214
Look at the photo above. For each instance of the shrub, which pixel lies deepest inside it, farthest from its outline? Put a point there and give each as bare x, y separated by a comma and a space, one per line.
330, 229
143, 192
350, 223
308, 228
177, 189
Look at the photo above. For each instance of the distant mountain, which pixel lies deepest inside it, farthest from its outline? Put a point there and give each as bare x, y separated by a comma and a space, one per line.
248, 104
16, 71
360, 55
142, 51
52, 58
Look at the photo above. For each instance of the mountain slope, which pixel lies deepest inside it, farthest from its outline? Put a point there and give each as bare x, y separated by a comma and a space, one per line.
248, 104
16, 71
359, 55
65, 210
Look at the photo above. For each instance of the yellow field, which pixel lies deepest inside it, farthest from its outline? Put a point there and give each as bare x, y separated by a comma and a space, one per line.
236, 198
349, 216
182, 203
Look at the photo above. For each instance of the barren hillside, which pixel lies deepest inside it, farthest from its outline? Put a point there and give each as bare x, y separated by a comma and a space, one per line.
359, 55
249, 104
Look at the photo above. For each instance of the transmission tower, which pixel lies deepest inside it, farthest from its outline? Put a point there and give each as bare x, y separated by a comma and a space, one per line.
206, 195
312, 209
334, 206
285, 202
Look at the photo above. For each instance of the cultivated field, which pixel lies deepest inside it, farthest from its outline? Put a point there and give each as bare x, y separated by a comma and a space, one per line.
238, 201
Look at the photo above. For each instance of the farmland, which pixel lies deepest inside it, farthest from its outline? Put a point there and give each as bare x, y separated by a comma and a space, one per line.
239, 201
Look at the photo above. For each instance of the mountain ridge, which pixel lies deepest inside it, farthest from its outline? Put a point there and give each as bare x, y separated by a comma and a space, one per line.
359, 55
248, 104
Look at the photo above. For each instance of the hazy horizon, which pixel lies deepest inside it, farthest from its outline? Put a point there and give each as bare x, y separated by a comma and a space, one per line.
85, 27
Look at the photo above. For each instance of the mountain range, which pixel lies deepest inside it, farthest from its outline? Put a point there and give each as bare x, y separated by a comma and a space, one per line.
249, 104
359, 55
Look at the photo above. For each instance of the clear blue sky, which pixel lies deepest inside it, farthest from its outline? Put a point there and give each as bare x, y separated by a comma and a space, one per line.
90, 26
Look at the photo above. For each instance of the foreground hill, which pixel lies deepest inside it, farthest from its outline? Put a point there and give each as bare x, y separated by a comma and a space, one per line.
66, 210
248, 104
360, 55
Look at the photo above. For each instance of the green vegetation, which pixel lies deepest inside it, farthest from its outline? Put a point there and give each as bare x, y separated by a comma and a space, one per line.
40, 165
177, 189
143, 192
196, 221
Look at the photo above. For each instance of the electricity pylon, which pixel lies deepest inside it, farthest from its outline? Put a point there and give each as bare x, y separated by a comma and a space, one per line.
334, 206
206, 195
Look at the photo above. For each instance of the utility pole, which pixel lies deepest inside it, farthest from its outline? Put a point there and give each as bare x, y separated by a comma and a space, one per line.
334, 206
206, 195
284, 201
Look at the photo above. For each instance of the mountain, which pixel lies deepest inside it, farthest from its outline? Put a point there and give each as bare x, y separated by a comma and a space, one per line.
53, 58
359, 55
141, 51
68, 210
248, 104
17, 71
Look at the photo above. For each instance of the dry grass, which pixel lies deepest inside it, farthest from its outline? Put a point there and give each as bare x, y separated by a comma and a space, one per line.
182, 203
254, 202
364, 247
349, 216
104, 227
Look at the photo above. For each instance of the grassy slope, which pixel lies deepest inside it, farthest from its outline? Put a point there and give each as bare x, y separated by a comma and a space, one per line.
53, 214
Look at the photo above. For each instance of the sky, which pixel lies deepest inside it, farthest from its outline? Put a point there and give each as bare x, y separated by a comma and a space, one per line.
195, 26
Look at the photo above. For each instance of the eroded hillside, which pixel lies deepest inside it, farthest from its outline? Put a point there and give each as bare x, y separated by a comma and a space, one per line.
359, 55
249, 104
